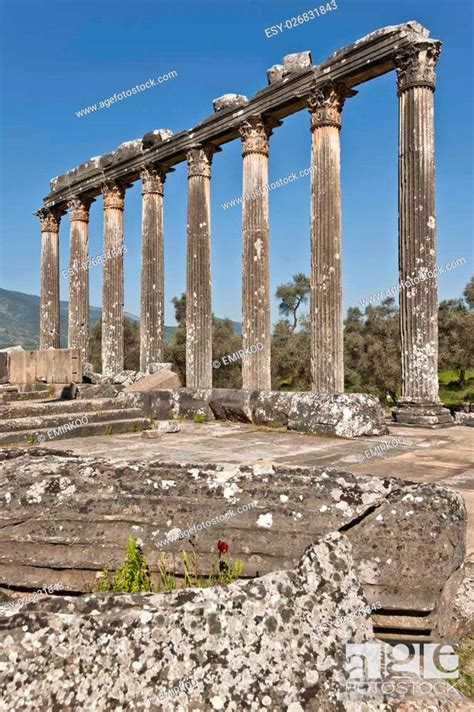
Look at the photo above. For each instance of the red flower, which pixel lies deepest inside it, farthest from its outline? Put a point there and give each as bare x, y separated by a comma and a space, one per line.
223, 547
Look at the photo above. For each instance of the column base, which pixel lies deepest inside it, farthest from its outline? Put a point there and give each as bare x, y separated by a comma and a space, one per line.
422, 415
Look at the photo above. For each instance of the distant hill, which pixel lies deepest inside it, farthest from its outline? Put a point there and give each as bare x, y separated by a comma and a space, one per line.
19, 320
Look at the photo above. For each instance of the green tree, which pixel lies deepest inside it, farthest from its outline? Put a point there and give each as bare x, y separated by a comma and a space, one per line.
224, 341
469, 294
292, 295
291, 361
456, 333
372, 350
175, 351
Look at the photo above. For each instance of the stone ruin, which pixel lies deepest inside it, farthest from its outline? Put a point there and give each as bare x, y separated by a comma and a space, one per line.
317, 544
293, 86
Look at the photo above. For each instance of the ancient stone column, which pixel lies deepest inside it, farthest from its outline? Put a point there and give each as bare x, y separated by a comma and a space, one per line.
327, 344
112, 290
419, 403
256, 324
78, 317
49, 289
152, 324
198, 270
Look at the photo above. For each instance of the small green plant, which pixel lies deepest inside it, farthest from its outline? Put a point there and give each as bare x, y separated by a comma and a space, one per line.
134, 576
108, 430
465, 650
31, 438
171, 415
51, 391
199, 418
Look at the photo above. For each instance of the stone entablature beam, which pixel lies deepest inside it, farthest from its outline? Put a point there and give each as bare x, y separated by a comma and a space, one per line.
365, 59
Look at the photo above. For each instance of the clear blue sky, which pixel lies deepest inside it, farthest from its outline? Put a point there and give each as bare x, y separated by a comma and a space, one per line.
59, 56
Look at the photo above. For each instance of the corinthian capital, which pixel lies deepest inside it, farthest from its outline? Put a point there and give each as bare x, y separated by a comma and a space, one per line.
79, 208
113, 194
153, 179
326, 102
49, 219
416, 63
199, 161
255, 133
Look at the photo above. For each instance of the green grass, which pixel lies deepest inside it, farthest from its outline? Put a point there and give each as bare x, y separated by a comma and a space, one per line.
134, 575
465, 650
451, 392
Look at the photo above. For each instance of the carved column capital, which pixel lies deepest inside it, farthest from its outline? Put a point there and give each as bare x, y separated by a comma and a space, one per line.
326, 102
199, 160
49, 219
113, 194
415, 65
255, 132
153, 178
79, 208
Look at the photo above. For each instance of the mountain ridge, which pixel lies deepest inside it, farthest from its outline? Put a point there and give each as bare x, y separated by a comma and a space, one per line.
19, 320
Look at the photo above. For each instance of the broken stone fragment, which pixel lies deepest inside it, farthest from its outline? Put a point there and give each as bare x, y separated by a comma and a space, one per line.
275, 73
164, 366
276, 614
228, 101
162, 379
297, 62
166, 426
156, 136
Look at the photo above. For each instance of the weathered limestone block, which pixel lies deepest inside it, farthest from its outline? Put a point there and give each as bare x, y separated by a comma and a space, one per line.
233, 404
408, 538
348, 415
272, 408
297, 62
154, 367
157, 404
275, 73
162, 379
188, 402
90, 376
462, 418
93, 648
228, 101
129, 376
151, 138
105, 389
4, 370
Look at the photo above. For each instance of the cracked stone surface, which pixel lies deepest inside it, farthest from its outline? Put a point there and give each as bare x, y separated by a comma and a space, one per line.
408, 538
117, 652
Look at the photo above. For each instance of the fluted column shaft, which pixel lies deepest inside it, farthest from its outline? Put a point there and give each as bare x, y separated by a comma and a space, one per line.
198, 270
78, 316
152, 325
113, 287
49, 289
417, 224
256, 323
327, 340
